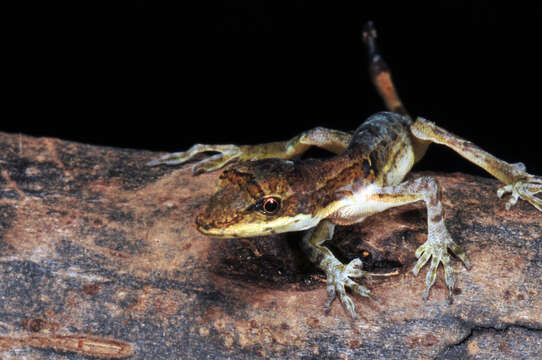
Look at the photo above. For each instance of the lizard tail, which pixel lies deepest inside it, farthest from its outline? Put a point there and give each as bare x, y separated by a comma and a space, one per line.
381, 77
380, 72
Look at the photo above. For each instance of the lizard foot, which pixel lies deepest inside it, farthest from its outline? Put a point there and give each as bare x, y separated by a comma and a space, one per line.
523, 189
338, 276
226, 154
436, 247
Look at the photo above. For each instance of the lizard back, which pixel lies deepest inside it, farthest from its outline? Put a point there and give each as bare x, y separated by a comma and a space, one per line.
384, 140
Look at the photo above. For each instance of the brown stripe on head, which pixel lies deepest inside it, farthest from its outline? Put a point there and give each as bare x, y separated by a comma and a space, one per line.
236, 208
244, 180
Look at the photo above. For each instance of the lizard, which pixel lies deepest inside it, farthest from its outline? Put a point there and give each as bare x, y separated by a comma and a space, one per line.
269, 190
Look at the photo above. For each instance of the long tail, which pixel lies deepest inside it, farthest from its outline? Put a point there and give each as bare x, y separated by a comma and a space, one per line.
380, 72
381, 77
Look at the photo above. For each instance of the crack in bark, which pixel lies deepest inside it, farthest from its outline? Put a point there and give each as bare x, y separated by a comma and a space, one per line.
475, 330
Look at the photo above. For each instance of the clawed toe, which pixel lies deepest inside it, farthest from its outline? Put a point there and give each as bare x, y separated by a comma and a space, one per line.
526, 190
437, 251
339, 279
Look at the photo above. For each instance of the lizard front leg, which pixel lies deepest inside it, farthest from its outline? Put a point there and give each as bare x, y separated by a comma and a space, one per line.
517, 181
438, 238
361, 201
338, 274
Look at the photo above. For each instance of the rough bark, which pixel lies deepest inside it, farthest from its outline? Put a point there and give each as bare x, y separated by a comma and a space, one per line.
99, 257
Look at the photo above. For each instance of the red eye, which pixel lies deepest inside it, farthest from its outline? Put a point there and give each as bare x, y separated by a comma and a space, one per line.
270, 205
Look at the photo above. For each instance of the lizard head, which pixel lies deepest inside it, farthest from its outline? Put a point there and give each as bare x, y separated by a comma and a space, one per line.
257, 198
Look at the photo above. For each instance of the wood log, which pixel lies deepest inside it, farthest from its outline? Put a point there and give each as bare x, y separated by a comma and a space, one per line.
99, 257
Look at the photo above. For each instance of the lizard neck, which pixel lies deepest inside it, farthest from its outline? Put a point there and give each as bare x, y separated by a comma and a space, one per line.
328, 178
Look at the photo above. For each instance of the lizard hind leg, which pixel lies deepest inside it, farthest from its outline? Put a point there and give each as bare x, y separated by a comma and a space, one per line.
332, 140
521, 184
225, 154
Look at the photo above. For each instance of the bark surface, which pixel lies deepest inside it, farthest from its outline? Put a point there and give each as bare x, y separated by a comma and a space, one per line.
99, 257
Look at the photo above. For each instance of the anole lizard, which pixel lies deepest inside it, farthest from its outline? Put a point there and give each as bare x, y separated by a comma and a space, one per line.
265, 192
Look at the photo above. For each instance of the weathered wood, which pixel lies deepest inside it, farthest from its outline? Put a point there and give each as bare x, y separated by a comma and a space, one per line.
99, 257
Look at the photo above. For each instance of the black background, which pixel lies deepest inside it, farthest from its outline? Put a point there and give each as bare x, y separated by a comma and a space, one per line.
254, 71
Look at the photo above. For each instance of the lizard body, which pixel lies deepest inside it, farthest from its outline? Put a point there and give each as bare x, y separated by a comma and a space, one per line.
380, 153
266, 192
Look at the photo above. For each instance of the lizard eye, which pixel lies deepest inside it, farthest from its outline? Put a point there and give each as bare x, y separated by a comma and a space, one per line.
269, 205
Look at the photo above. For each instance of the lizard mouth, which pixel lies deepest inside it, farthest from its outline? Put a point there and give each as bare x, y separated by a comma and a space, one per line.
206, 228
215, 233
246, 230
227, 233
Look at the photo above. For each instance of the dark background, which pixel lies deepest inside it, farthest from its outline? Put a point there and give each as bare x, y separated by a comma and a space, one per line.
255, 71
